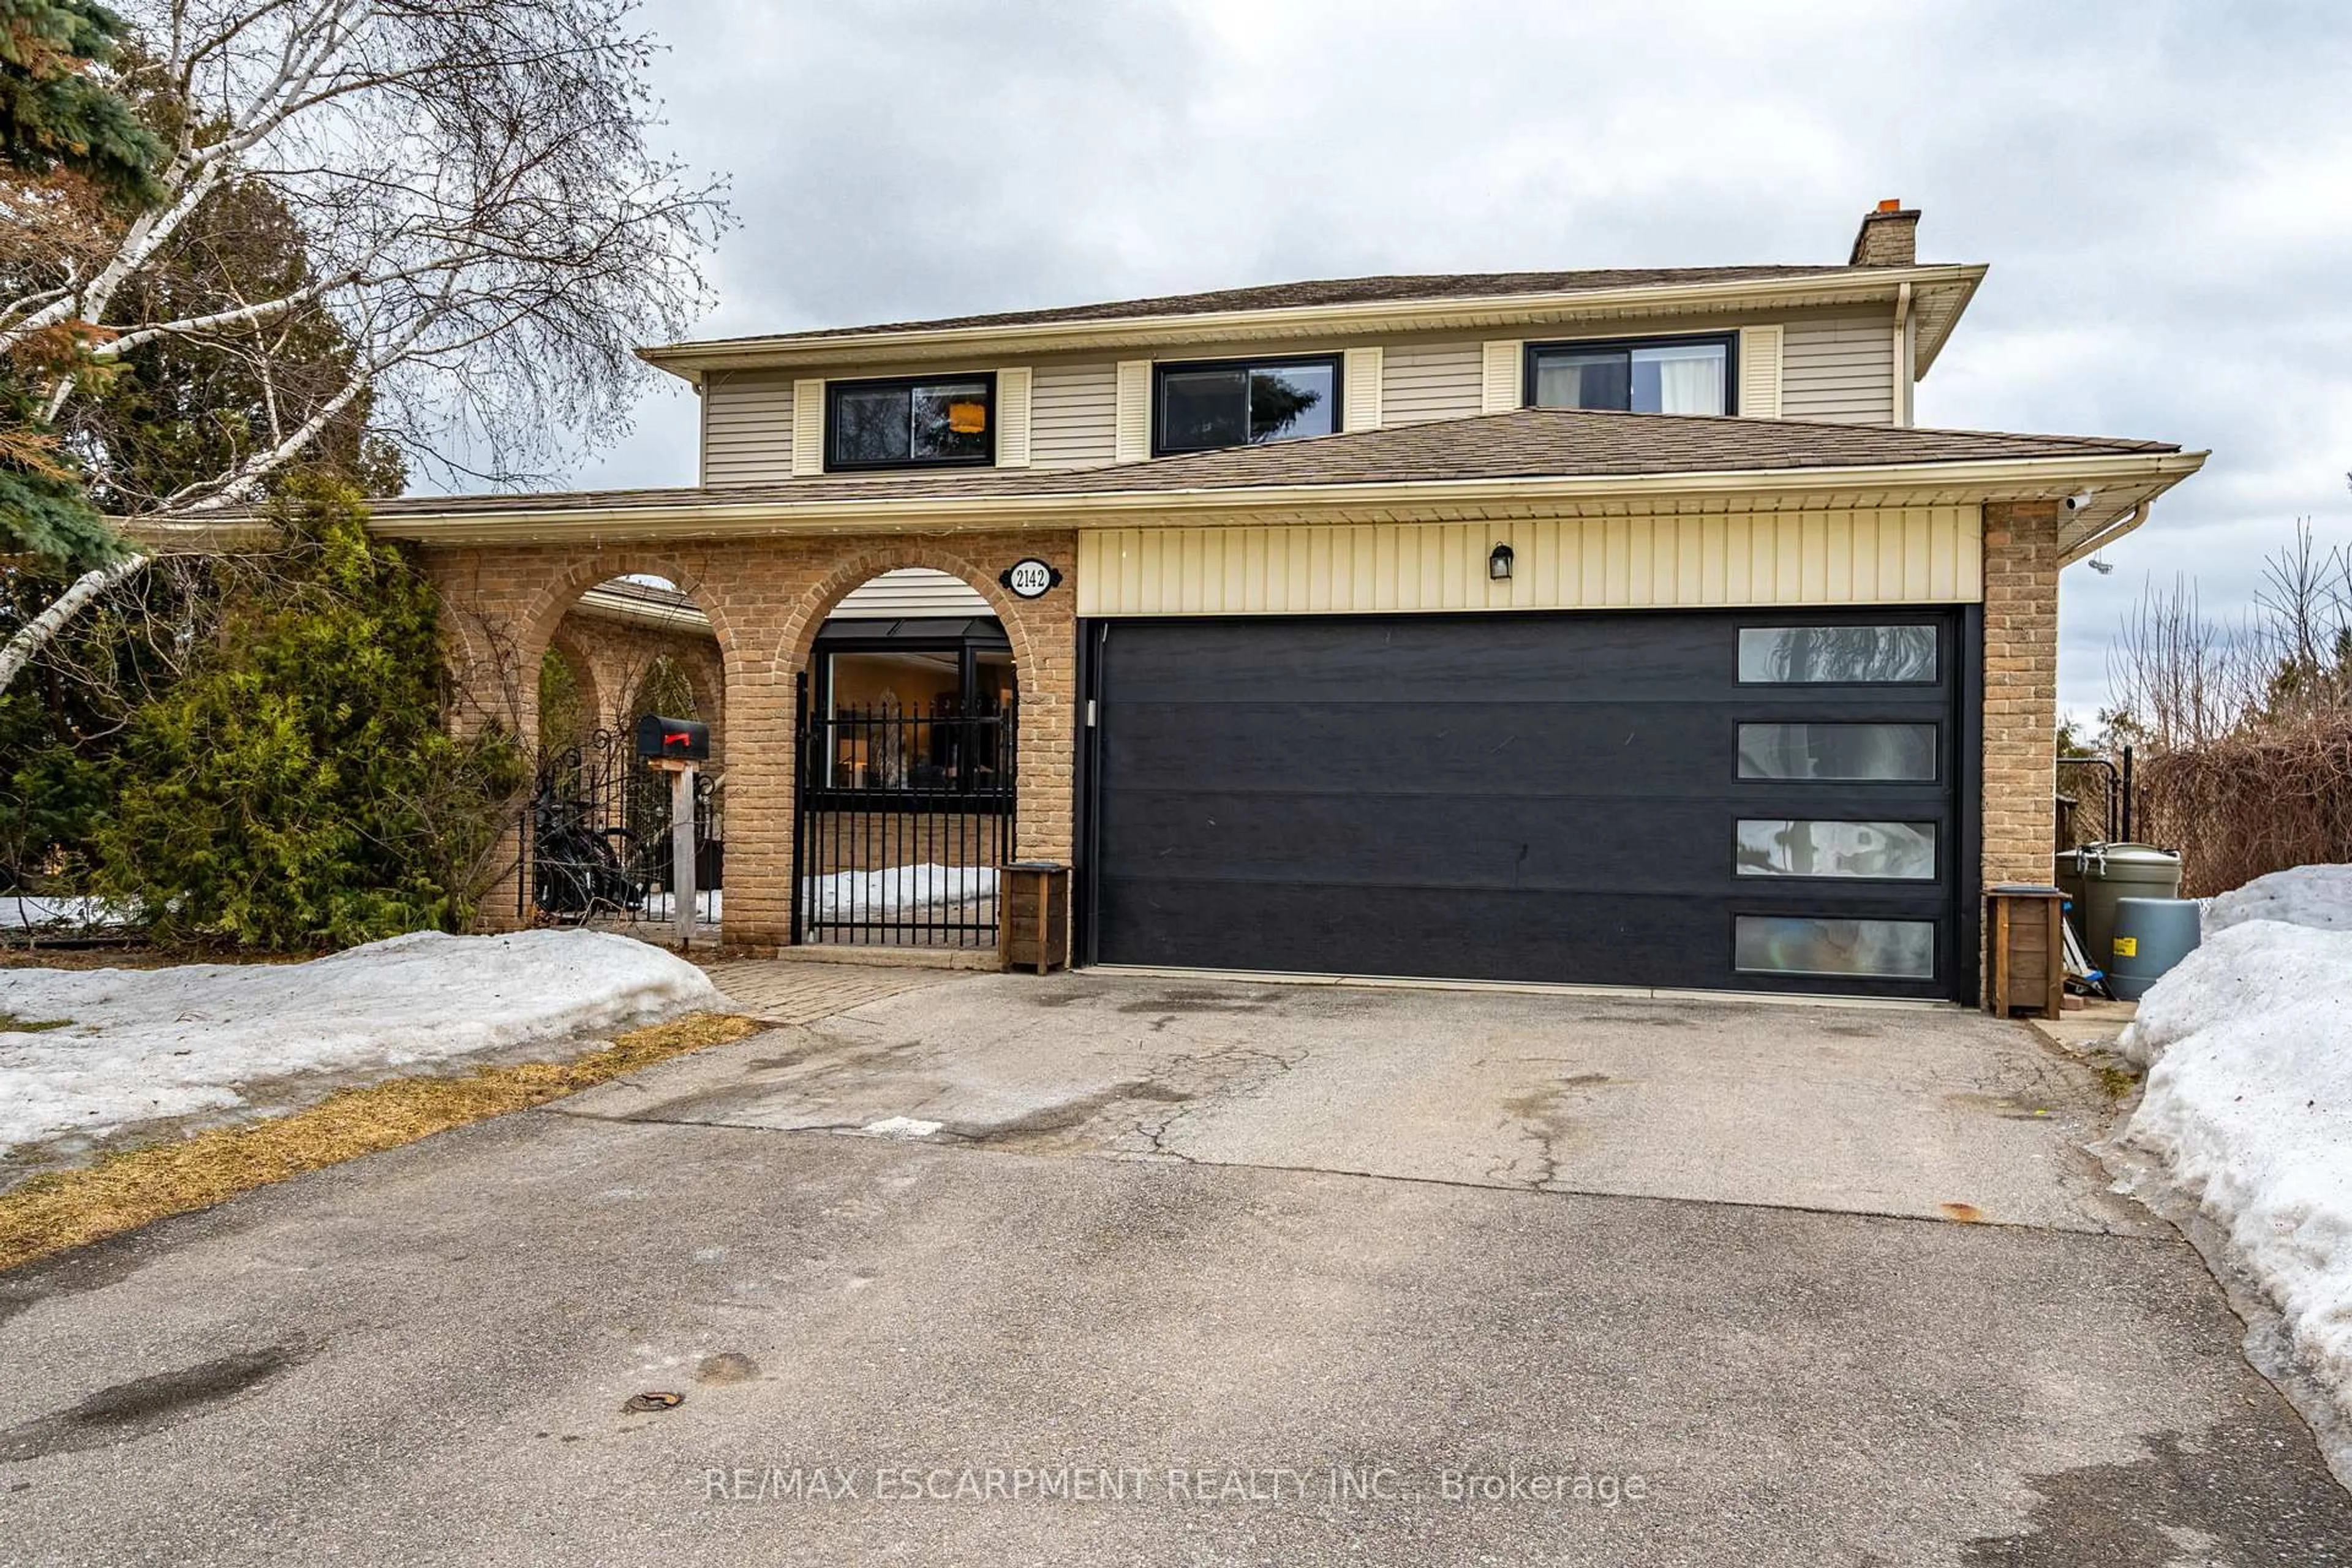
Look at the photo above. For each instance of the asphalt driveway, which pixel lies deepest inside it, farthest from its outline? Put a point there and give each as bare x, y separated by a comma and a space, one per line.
1103, 1269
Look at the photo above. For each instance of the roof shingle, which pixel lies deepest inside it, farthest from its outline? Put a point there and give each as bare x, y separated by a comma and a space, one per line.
1526, 443
1312, 292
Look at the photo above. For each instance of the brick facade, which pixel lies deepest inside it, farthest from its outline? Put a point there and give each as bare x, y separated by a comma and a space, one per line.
766, 599
2021, 690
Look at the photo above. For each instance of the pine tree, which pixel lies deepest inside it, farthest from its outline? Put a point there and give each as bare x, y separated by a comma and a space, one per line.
298, 789
56, 112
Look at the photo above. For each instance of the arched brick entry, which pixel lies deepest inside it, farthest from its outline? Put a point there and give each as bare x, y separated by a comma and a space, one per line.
766, 599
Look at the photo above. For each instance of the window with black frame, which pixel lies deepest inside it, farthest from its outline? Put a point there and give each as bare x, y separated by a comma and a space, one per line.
1244, 402
1659, 375
913, 424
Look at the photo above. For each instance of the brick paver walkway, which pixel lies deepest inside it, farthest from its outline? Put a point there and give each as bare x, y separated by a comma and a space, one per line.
802, 993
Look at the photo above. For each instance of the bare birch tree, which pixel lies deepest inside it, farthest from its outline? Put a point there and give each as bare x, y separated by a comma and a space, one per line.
489, 237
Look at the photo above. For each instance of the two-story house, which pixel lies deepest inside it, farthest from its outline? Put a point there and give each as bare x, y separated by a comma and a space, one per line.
1612, 628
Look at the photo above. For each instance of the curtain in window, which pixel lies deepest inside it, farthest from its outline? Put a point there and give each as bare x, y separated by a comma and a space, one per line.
1690, 378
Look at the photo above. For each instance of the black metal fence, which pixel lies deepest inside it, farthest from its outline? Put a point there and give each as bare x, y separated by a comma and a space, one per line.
901, 821
2096, 800
597, 839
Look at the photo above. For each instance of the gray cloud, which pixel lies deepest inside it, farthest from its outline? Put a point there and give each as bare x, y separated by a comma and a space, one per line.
2165, 191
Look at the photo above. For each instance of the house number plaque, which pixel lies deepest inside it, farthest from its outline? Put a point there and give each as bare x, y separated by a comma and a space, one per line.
1030, 579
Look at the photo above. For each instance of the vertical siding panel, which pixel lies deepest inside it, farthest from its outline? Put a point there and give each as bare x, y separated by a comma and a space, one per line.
1641, 583
1884, 555
1364, 549
1944, 527
1890, 553
1813, 569
1090, 573
1918, 579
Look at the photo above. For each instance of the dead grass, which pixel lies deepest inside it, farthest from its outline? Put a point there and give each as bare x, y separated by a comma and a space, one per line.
67, 1209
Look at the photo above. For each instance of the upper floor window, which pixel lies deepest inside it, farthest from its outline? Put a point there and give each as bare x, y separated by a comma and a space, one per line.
1649, 375
1244, 402
912, 423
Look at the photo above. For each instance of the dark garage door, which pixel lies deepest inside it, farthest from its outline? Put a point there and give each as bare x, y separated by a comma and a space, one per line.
1756, 800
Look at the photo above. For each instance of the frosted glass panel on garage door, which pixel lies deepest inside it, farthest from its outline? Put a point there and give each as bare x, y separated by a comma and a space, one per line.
1849, 654
1786, 847
1850, 752
1808, 944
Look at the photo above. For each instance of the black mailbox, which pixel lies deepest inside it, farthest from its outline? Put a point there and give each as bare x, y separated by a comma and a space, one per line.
673, 740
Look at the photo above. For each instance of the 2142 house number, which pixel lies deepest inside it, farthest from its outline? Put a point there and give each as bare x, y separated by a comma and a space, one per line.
1030, 579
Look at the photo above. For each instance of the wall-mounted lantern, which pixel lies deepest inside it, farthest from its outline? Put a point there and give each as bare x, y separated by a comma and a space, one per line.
1499, 564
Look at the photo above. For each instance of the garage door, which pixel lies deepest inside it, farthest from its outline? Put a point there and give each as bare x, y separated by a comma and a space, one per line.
1748, 801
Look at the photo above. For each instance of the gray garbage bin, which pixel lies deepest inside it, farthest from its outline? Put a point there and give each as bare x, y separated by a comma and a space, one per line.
2097, 875
2151, 935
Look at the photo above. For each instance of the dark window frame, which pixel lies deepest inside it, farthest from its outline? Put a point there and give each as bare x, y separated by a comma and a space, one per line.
1728, 341
834, 389
1336, 361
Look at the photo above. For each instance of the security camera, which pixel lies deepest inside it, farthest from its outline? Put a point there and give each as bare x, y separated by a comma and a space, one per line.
2079, 500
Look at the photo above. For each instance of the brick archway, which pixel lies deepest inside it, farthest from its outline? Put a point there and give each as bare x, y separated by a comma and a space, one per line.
767, 598
1044, 634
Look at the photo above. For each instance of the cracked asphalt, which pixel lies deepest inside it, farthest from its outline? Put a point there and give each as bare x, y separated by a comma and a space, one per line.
1102, 1269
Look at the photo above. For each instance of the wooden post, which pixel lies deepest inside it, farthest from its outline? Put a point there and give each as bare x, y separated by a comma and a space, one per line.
681, 845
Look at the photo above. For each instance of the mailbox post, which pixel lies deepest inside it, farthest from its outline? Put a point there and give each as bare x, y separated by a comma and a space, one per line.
677, 747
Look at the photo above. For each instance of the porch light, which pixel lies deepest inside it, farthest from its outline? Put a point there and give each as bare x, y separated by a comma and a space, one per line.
1499, 564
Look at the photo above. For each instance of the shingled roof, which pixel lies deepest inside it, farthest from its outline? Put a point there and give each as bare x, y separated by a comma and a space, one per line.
1524, 444
1321, 291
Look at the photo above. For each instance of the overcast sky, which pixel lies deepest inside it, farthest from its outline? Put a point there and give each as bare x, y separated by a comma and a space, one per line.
2164, 192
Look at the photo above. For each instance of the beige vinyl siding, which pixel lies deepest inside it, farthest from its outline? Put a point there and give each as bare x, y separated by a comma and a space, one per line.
1894, 556
747, 427
1433, 381
1839, 368
1073, 416
917, 591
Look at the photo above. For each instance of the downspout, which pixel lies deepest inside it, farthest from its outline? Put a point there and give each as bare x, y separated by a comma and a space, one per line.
1903, 354
2113, 530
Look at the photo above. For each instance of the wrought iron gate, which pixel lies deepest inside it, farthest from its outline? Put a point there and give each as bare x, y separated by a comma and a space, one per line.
597, 839
901, 822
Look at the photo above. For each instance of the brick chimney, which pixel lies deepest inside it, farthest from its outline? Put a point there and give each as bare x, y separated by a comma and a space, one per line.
1889, 236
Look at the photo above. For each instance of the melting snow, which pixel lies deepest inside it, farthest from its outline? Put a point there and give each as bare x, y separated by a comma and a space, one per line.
155, 1043
2249, 1096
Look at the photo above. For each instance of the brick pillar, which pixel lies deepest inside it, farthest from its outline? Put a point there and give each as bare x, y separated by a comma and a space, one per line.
2021, 690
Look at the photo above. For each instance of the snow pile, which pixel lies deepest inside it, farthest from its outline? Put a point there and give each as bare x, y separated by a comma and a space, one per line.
853, 895
19, 911
2318, 896
2249, 1099
146, 1044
